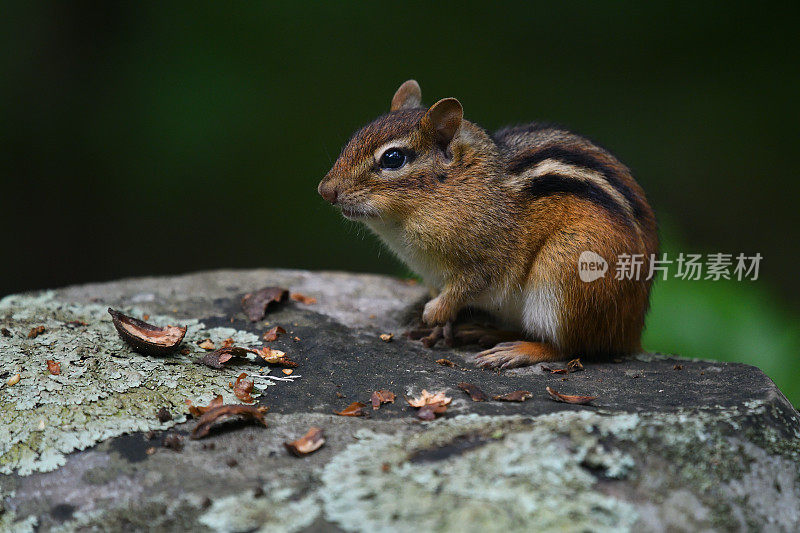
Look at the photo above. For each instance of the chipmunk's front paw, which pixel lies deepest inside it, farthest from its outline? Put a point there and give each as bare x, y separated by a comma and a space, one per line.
518, 353
437, 312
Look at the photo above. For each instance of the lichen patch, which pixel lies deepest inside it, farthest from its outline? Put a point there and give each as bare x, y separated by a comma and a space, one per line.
105, 389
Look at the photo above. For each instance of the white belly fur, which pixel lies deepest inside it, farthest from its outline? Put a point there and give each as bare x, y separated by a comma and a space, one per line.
534, 310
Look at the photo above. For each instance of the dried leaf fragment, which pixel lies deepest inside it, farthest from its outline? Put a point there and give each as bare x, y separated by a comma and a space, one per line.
567, 398
53, 367
35, 332
303, 299
426, 398
255, 304
354, 409
13, 380
272, 334
308, 443
446, 362
430, 405
274, 357
516, 396
380, 397
227, 343
207, 344
198, 410
145, 338
387, 337
243, 387
224, 412
573, 366
5, 332
474, 392
287, 371
218, 358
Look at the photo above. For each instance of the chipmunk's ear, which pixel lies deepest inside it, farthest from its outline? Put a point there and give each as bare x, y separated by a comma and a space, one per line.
443, 120
408, 96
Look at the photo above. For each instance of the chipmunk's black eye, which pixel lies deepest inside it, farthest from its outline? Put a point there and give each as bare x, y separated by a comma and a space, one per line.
393, 158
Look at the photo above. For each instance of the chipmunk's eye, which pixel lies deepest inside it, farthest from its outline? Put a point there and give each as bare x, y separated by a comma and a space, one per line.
393, 158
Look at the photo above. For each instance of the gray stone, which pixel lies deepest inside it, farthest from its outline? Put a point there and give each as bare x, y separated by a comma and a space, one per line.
669, 444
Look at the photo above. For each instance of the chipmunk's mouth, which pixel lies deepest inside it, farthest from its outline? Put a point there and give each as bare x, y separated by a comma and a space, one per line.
358, 212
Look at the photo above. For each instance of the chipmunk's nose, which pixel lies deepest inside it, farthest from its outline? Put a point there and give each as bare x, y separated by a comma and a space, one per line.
328, 191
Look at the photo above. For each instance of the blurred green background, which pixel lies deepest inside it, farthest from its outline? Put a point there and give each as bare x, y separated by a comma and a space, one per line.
156, 138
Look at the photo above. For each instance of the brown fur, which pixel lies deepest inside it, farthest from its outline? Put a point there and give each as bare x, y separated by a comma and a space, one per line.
456, 215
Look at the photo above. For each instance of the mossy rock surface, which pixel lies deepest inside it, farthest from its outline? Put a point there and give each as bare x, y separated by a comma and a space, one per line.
669, 444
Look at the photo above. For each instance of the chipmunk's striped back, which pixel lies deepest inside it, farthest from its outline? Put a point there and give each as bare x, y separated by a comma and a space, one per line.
547, 161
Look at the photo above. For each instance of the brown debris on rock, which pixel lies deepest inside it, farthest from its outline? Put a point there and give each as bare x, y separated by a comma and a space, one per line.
173, 442
218, 358
272, 334
164, 415
429, 405
516, 396
207, 344
145, 338
303, 299
573, 366
380, 397
255, 304
568, 398
198, 410
308, 443
223, 412
354, 409
474, 392
35, 332
243, 387
274, 357
53, 367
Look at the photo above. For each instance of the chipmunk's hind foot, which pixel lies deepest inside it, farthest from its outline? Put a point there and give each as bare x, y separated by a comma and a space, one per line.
484, 335
518, 353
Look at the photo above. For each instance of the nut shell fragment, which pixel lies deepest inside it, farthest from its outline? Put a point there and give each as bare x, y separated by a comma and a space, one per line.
474, 392
243, 387
223, 412
308, 443
354, 409
569, 398
145, 338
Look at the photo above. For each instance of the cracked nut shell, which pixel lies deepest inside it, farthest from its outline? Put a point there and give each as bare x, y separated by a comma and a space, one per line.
145, 338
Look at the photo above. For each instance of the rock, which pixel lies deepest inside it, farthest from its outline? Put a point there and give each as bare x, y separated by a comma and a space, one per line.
669, 444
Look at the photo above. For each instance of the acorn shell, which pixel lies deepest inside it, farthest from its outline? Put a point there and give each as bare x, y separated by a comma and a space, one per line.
145, 338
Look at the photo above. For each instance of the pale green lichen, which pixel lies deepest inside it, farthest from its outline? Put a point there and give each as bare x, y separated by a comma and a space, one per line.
533, 475
276, 510
104, 389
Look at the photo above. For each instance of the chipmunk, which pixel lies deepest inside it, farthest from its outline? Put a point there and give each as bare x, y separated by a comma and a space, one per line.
498, 222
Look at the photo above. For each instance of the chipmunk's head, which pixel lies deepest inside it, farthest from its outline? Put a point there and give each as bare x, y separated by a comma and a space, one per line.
396, 163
